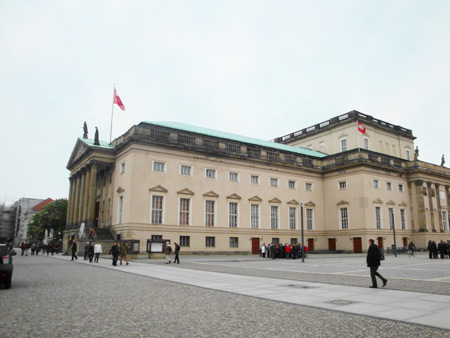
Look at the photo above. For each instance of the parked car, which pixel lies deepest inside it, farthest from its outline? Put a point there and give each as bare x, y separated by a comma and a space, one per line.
6, 265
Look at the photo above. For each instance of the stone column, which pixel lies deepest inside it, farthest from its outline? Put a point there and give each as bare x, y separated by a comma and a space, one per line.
431, 208
421, 220
81, 198
86, 196
92, 196
69, 200
438, 200
76, 201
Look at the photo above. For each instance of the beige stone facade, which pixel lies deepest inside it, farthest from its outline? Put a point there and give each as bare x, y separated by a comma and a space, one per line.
216, 192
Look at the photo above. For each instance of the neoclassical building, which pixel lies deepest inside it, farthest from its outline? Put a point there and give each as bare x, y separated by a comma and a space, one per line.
212, 191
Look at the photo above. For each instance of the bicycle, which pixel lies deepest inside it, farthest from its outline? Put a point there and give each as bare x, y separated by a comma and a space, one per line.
411, 252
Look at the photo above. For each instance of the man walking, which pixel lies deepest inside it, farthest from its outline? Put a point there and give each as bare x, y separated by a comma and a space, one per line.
115, 253
168, 251
177, 252
97, 251
123, 252
373, 261
74, 250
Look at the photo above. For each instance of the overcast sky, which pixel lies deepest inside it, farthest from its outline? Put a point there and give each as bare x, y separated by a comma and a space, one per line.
256, 68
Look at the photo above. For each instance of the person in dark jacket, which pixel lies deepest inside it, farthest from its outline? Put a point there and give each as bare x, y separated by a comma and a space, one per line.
91, 252
74, 250
115, 253
177, 252
373, 261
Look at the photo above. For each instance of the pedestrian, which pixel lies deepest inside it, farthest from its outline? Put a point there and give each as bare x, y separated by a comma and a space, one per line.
373, 261
263, 250
115, 253
27, 247
123, 252
442, 249
177, 252
33, 248
168, 251
91, 233
22, 247
91, 252
74, 250
98, 251
86, 251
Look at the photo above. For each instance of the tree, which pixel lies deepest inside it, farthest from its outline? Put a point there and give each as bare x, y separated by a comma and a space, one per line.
52, 216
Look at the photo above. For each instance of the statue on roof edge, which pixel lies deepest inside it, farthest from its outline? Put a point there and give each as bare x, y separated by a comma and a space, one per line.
85, 130
416, 153
442, 160
96, 140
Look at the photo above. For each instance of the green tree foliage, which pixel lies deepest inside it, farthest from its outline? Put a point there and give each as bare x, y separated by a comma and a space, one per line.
52, 216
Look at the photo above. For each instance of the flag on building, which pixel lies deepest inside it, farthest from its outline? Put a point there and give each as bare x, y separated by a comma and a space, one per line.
361, 128
118, 101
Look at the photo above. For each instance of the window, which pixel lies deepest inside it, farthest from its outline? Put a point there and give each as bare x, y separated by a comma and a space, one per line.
292, 218
400, 188
444, 220
159, 166
254, 179
274, 182
234, 242
378, 217
184, 211
308, 186
388, 186
274, 216
185, 240
291, 184
119, 216
366, 143
408, 156
157, 209
209, 213
344, 144
376, 184
344, 218
294, 241
343, 185
122, 168
210, 173
254, 221
275, 240
403, 218
232, 214
233, 177
157, 237
210, 242
391, 218
321, 144
309, 219
186, 170
309, 146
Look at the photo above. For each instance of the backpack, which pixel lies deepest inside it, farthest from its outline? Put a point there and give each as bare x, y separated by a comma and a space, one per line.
381, 254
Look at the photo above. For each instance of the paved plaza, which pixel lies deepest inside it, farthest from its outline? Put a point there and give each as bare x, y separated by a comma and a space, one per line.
226, 296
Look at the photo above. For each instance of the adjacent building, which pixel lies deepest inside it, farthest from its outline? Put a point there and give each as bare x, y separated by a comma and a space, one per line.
353, 177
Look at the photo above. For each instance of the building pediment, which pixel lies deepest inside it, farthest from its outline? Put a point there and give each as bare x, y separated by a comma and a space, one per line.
377, 201
211, 194
293, 202
185, 191
234, 197
274, 200
79, 151
342, 202
120, 190
255, 199
310, 204
158, 188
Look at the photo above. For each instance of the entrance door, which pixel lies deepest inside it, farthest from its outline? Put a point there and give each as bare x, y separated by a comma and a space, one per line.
255, 246
380, 242
332, 244
357, 245
97, 209
405, 241
310, 244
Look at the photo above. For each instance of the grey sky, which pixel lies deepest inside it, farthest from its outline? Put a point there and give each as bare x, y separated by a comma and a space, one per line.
257, 68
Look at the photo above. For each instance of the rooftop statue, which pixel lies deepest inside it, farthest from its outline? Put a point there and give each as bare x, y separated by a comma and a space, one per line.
96, 140
442, 160
416, 153
85, 130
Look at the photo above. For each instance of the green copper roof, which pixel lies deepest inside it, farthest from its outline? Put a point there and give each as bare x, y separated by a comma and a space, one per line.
90, 142
235, 137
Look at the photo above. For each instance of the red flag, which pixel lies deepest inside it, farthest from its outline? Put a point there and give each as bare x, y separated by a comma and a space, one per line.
118, 101
361, 128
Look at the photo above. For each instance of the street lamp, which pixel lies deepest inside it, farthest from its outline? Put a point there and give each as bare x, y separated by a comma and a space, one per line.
303, 238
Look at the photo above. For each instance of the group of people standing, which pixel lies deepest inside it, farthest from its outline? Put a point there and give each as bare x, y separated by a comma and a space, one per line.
285, 250
168, 252
92, 252
442, 249
36, 247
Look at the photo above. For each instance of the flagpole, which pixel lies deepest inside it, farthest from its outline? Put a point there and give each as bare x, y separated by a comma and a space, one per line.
112, 112
357, 135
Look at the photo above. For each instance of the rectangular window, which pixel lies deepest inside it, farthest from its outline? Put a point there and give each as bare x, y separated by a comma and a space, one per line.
344, 144
185, 240
388, 186
209, 213
343, 185
210, 242
275, 240
408, 155
157, 209
233, 214
309, 219
274, 217
184, 211
119, 216
344, 218
444, 220
274, 182
234, 242
403, 218
391, 218
159, 166
376, 184
210, 173
292, 218
400, 187
291, 185
378, 217
157, 237
366, 143
321, 144
294, 241
186, 170
122, 168
254, 179
254, 216
308, 186
233, 177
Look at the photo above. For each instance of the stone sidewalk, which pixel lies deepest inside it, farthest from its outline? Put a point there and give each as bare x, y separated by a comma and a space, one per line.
412, 307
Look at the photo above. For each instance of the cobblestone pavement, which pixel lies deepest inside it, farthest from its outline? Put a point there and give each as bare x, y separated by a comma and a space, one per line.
56, 298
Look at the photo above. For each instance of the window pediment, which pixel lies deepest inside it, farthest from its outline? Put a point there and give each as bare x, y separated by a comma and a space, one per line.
211, 194
255, 199
158, 188
310, 204
390, 202
234, 197
377, 201
293, 202
185, 191
342, 202
274, 200
403, 204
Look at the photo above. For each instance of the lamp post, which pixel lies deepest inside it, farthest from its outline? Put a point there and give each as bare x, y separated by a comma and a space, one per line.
393, 229
303, 239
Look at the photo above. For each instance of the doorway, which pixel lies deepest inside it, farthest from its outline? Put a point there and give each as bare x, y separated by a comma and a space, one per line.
310, 244
255, 245
380, 242
357, 245
332, 244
